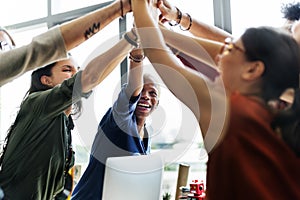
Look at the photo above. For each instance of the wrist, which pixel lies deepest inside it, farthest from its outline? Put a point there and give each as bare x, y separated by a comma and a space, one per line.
137, 55
178, 18
136, 58
187, 22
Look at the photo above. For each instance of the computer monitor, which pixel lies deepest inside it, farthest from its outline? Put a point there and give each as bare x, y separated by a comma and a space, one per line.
133, 178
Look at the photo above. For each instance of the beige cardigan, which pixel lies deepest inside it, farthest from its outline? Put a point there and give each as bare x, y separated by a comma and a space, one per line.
44, 49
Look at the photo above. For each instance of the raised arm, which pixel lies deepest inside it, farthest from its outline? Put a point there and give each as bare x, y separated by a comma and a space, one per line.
199, 29
135, 76
101, 66
78, 30
201, 49
187, 85
54, 44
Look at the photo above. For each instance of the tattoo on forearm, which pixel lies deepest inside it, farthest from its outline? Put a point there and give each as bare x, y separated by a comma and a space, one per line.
92, 30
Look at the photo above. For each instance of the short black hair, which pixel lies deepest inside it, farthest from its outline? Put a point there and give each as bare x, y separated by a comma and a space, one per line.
291, 11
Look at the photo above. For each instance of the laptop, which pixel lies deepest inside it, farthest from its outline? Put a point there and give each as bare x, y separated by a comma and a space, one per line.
133, 178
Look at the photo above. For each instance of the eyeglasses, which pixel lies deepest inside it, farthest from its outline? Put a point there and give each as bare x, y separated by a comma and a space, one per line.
228, 46
4, 46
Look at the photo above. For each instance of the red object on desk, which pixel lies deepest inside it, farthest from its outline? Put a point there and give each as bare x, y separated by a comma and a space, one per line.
197, 191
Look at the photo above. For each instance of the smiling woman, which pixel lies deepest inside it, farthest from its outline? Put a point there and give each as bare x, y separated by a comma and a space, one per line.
122, 131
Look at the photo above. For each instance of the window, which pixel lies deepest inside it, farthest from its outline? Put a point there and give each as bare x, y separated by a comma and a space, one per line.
15, 11
12, 93
255, 13
59, 6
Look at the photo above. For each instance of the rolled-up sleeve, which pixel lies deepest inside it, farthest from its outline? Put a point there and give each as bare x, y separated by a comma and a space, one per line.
44, 49
52, 102
123, 108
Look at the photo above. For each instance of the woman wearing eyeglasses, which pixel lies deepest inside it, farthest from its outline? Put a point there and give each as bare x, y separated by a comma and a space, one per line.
241, 114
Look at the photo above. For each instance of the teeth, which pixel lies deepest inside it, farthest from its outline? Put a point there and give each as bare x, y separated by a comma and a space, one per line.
144, 105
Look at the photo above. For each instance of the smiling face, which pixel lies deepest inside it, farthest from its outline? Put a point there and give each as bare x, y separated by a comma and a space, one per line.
256, 64
149, 99
61, 71
231, 60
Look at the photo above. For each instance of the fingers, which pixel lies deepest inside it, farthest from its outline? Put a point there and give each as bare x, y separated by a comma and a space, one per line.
163, 10
162, 6
162, 19
126, 6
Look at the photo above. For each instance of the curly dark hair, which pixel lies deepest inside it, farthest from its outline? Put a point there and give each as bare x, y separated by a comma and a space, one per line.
291, 11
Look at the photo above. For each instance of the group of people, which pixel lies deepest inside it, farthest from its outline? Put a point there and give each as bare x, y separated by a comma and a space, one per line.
248, 114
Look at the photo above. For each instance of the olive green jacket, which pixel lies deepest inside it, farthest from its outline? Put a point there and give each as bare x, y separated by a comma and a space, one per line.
34, 162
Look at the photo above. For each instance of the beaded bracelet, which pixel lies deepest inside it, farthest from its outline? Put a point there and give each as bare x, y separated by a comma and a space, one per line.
179, 16
191, 22
137, 59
